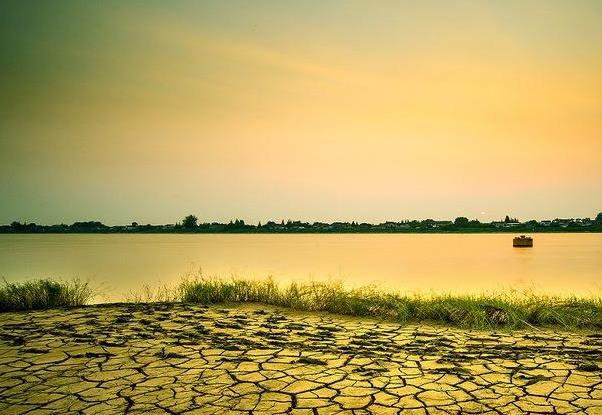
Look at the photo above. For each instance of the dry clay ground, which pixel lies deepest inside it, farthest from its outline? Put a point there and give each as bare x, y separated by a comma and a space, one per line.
175, 358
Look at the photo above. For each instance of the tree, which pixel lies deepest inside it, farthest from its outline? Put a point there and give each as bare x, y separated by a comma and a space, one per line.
89, 225
189, 222
461, 221
507, 219
599, 217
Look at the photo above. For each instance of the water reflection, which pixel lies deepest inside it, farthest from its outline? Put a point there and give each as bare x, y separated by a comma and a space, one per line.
558, 263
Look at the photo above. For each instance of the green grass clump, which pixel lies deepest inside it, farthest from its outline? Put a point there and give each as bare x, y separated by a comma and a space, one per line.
502, 310
43, 294
510, 310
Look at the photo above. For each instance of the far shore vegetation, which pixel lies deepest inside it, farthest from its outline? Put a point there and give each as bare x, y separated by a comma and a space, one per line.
190, 224
511, 310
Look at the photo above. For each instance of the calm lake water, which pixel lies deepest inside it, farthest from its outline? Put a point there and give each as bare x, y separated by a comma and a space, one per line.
558, 263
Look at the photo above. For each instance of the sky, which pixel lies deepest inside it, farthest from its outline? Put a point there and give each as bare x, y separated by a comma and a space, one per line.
318, 110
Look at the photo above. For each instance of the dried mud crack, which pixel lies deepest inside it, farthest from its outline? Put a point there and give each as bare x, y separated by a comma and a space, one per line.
178, 358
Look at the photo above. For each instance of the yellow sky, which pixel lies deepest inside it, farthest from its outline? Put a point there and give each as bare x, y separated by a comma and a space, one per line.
317, 111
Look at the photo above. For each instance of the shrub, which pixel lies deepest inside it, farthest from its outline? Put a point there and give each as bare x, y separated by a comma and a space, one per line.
42, 294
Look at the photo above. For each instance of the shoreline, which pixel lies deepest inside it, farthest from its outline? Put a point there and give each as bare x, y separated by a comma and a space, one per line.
395, 232
511, 310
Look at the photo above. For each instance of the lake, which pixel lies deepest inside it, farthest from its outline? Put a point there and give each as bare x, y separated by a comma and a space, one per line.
455, 263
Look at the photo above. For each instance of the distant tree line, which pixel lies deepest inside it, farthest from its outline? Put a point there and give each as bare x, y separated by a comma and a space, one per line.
190, 224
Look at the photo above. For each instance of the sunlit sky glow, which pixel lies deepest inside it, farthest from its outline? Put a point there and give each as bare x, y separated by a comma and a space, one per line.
326, 110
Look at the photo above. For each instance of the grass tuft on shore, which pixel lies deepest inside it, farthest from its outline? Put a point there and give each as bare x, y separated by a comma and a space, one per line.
510, 309
43, 294
486, 311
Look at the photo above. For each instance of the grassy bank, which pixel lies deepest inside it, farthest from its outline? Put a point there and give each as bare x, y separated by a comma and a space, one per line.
42, 294
503, 310
511, 310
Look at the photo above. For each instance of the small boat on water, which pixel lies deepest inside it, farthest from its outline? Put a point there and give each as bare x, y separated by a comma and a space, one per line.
522, 242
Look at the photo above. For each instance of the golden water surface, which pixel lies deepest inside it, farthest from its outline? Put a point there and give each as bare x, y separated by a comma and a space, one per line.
457, 263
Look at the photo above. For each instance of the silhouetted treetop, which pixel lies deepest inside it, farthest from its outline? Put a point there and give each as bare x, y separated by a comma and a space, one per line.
190, 222
88, 225
461, 221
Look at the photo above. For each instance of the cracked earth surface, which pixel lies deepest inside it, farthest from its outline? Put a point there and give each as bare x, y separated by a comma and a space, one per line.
177, 358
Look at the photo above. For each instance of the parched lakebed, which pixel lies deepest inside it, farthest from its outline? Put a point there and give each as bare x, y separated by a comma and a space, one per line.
179, 358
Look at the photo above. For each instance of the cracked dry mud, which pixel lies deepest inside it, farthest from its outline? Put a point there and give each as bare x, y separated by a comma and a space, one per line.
176, 358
